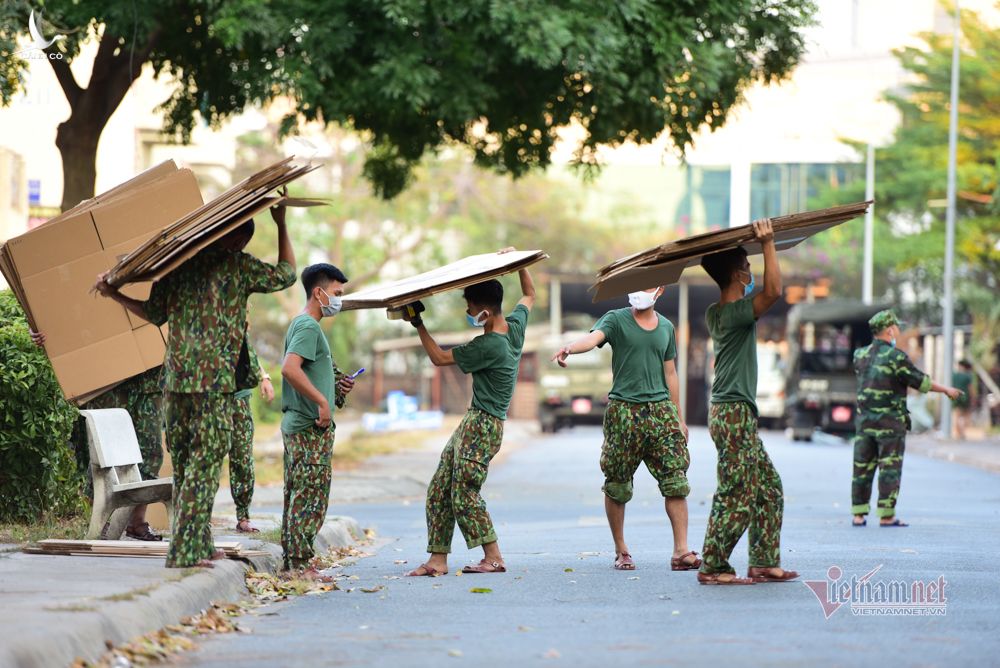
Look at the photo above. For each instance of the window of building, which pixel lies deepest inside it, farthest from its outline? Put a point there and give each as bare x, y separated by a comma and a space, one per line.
777, 189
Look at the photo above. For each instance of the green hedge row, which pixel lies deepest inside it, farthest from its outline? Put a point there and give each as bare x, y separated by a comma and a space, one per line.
38, 471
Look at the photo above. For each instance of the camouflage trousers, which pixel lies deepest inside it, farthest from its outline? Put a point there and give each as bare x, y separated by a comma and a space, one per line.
147, 418
307, 491
453, 494
646, 432
749, 493
241, 477
884, 452
199, 431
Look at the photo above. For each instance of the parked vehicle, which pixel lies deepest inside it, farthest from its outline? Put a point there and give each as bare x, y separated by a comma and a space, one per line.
770, 385
819, 380
577, 394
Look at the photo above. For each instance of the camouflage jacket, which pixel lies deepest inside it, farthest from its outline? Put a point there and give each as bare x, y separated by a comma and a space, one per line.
205, 302
884, 374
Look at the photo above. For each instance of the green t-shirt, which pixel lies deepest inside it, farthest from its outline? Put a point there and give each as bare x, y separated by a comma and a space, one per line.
306, 339
963, 380
492, 359
637, 356
734, 335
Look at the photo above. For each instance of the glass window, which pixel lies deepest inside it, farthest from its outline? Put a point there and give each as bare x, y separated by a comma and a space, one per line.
777, 189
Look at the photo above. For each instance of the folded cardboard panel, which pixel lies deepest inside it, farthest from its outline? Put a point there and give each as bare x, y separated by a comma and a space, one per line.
663, 265
459, 274
102, 364
93, 342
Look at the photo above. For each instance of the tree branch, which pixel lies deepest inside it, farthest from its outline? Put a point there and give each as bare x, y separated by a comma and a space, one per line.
389, 257
71, 89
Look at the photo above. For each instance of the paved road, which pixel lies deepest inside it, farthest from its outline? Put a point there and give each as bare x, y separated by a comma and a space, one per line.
547, 502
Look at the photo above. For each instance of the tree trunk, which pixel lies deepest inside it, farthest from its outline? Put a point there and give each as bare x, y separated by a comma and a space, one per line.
77, 140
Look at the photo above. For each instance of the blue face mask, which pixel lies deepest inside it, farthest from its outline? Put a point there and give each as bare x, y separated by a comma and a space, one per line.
479, 320
748, 288
892, 342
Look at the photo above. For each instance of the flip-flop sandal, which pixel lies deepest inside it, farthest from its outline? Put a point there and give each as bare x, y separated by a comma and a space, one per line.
762, 575
862, 523
252, 529
142, 532
895, 523
423, 570
623, 562
713, 579
678, 563
486, 567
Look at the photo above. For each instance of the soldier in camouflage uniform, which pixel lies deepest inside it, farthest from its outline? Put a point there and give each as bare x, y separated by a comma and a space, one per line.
884, 375
641, 423
311, 386
241, 476
749, 493
141, 396
204, 301
493, 359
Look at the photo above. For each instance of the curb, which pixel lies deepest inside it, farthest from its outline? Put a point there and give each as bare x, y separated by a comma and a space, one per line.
117, 622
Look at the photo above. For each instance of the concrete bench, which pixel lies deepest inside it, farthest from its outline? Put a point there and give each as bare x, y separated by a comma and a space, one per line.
118, 486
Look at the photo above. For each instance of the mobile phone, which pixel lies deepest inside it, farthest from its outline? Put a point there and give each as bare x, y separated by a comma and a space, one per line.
357, 373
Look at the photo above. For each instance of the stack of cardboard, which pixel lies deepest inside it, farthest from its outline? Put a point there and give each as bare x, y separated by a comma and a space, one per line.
663, 265
465, 272
94, 343
128, 548
166, 251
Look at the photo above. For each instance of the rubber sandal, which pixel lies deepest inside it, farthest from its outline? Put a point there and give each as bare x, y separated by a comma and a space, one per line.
713, 579
895, 523
862, 523
423, 570
762, 575
678, 563
623, 562
142, 532
486, 567
250, 528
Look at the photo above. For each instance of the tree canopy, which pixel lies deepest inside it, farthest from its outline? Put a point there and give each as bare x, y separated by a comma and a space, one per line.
910, 187
503, 78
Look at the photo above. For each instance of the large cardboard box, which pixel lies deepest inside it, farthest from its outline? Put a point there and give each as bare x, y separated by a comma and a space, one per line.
93, 342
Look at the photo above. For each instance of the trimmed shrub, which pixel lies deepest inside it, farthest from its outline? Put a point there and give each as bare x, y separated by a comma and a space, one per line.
38, 471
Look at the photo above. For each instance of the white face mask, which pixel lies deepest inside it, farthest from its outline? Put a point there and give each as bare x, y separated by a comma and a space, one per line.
642, 300
333, 308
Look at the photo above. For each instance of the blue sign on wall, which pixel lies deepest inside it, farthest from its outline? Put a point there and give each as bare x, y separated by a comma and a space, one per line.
34, 192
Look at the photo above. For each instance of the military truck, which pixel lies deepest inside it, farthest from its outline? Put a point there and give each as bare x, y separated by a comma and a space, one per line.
577, 394
821, 390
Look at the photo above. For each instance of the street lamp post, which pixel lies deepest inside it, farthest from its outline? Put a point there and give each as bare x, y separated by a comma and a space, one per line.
949, 246
867, 290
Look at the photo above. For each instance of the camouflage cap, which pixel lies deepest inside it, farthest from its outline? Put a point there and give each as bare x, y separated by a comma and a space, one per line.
882, 320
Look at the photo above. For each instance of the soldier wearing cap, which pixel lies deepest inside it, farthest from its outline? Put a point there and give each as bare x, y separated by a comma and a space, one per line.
884, 375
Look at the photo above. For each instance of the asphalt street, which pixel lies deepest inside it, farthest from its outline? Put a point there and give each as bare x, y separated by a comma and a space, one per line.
561, 603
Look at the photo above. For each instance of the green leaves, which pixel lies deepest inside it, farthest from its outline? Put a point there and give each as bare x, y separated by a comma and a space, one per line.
37, 468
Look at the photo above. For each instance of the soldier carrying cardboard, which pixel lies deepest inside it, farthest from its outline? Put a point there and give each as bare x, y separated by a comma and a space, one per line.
884, 374
493, 359
204, 301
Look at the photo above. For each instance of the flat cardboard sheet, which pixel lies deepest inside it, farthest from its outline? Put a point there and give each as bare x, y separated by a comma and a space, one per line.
92, 342
663, 265
467, 271
186, 235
